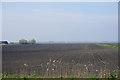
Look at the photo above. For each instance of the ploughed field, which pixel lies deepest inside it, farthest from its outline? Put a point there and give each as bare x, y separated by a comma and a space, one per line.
55, 60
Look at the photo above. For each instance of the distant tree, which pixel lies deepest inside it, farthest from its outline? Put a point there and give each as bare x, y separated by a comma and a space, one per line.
12, 43
22, 41
33, 41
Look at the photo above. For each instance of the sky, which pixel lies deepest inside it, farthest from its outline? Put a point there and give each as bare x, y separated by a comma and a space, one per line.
60, 21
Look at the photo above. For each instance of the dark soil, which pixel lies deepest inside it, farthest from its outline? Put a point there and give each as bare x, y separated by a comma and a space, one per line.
48, 60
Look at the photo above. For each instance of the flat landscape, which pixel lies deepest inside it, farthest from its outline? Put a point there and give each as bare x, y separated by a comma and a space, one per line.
55, 60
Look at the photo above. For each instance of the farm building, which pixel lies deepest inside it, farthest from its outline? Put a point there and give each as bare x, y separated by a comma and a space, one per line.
3, 42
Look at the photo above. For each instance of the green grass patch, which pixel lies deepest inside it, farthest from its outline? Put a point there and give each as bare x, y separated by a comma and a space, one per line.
111, 46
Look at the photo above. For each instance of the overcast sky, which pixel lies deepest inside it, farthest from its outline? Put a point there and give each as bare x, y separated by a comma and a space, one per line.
62, 21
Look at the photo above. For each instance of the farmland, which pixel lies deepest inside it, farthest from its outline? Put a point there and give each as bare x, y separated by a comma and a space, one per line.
55, 60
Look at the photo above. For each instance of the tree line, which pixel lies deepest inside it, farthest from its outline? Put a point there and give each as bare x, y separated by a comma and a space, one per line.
24, 41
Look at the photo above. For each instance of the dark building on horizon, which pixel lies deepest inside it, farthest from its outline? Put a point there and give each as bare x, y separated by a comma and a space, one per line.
3, 42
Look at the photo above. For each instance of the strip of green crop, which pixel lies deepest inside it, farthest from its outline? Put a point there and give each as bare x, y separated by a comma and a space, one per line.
111, 46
